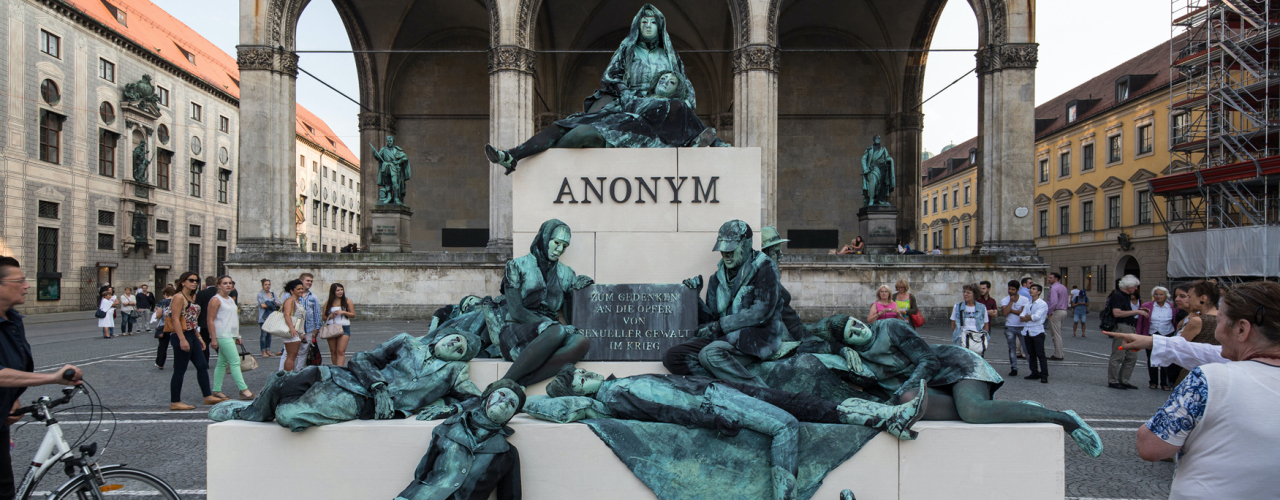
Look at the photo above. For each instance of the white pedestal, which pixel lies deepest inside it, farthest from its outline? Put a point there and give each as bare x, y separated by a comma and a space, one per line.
622, 206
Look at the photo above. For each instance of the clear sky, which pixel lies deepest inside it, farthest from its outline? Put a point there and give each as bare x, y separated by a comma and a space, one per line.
1078, 40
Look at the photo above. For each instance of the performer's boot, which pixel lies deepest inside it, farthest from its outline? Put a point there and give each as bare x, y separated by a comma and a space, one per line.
500, 157
896, 420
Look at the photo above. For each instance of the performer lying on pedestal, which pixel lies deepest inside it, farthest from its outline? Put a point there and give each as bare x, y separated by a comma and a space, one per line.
741, 320
537, 287
961, 383
726, 407
395, 379
469, 457
482, 317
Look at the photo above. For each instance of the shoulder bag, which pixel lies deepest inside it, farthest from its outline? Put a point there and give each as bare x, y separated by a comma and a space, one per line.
99, 314
247, 361
330, 330
275, 325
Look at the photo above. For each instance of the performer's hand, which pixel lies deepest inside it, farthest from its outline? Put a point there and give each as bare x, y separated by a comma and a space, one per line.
727, 427
694, 283
582, 282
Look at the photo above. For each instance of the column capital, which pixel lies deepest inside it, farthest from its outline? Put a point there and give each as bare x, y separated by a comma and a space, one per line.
264, 58
993, 58
904, 121
755, 57
511, 58
377, 121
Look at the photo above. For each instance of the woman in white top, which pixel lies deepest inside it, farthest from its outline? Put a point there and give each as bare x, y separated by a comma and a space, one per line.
224, 327
1160, 323
1220, 421
338, 311
1033, 332
128, 311
107, 304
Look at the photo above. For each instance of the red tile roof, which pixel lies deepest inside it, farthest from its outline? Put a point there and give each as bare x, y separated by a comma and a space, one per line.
936, 167
316, 131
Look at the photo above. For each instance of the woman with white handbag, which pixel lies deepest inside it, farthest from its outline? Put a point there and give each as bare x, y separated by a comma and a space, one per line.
287, 324
337, 328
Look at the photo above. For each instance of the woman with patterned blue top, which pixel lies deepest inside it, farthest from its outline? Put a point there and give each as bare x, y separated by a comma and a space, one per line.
1220, 421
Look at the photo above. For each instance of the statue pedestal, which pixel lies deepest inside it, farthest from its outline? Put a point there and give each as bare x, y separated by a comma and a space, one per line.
878, 226
390, 229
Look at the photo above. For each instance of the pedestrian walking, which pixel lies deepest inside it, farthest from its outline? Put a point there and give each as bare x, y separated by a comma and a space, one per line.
1080, 313
145, 302
1158, 322
1033, 332
188, 346
224, 327
1011, 307
16, 363
165, 328
340, 311
1121, 361
294, 312
267, 303
107, 304
202, 299
128, 311
1058, 300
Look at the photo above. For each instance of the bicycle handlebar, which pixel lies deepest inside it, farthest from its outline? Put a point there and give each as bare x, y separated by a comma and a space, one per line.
67, 394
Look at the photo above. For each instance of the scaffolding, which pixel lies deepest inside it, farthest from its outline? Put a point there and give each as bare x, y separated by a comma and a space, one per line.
1223, 180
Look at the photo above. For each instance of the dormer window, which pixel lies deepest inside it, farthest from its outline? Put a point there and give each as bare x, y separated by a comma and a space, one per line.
1128, 84
1071, 113
121, 16
191, 58
973, 156
1122, 90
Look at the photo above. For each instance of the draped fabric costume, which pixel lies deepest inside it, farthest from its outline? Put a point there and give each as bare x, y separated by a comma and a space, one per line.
643, 122
636, 62
545, 285
403, 367
485, 322
461, 466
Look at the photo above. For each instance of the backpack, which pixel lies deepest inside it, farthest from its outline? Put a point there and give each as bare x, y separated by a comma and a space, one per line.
1108, 320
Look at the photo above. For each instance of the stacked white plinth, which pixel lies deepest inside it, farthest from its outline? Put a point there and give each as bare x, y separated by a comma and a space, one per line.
626, 228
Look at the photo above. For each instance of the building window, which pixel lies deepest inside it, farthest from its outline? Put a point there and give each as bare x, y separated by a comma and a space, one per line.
1122, 91
224, 124
1071, 113
1114, 145
106, 241
924, 210
162, 247
1179, 128
193, 230
1064, 164
50, 136
224, 180
1044, 170
162, 226
106, 218
955, 237
1086, 272
106, 70
315, 167
220, 260
1102, 278
1113, 212
967, 198
342, 222
315, 215
193, 258
937, 239
222, 235
1145, 141
50, 93
163, 160
47, 250
1064, 219
944, 201
1086, 157
326, 171
966, 236
1086, 216
1144, 207
48, 210
955, 198
162, 133
324, 221
335, 218
107, 112
924, 240
197, 112
197, 168
935, 204
107, 153
163, 94
1044, 223
50, 44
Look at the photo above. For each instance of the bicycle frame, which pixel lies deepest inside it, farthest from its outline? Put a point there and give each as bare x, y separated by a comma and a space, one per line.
53, 450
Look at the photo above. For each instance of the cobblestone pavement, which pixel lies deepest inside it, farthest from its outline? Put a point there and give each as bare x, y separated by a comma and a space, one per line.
146, 435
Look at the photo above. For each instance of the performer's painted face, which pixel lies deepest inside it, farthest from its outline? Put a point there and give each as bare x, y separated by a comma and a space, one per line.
737, 257
856, 333
501, 405
469, 303
667, 85
451, 348
559, 243
586, 382
649, 27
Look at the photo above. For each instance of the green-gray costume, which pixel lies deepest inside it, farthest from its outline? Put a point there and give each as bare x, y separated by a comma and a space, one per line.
461, 466
397, 378
484, 320
637, 62
546, 287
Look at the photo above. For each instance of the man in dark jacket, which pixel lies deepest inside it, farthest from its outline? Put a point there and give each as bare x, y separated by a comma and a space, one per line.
146, 302
741, 320
202, 299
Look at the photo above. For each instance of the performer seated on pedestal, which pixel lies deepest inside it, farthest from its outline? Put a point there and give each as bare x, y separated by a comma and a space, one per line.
961, 383
395, 379
537, 287
726, 407
741, 320
469, 457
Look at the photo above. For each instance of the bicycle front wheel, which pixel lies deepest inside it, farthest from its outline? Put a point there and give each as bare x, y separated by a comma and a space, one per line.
118, 483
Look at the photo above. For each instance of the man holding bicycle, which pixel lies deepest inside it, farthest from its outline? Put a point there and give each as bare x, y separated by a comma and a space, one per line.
16, 364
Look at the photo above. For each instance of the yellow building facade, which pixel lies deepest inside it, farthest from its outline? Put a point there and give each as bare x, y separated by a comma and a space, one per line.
948, 184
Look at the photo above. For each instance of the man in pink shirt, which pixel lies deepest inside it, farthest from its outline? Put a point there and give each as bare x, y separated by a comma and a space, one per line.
1059, 301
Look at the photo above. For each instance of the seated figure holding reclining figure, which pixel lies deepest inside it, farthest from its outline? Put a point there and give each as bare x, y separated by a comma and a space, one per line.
718, 405
395, 379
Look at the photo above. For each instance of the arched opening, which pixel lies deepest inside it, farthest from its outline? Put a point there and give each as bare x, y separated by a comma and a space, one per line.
1128, 264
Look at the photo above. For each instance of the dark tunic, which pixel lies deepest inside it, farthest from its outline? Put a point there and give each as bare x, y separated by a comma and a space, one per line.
648, 122
459, 466
748, 307
545, 286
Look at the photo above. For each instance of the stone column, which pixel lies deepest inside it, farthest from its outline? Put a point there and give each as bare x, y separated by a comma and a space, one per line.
266, 168
374, 129
510, 123
755, 117
1006, 149
903, 140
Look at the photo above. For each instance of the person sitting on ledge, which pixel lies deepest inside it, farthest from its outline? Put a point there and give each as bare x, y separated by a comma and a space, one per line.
659, 118
740, 323
469, 456
537, 286
395, 379
854, 247
726, 407
905, 249
960, 383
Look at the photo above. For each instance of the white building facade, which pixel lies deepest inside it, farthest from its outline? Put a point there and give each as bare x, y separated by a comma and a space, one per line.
328, 184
